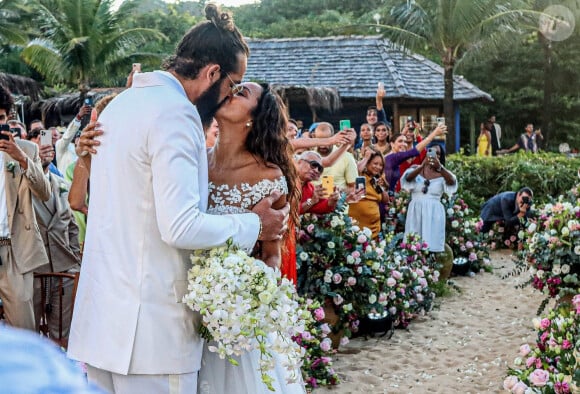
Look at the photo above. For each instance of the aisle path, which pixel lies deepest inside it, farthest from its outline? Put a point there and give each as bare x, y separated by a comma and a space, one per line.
464, 346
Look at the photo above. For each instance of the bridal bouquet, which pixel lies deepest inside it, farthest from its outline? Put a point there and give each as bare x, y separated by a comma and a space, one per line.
241, 301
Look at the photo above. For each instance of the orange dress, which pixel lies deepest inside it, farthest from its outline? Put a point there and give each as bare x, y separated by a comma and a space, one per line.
288, 266
367, 212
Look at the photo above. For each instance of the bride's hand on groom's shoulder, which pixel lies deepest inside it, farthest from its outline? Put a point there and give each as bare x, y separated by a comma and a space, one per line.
274, 222
87, 143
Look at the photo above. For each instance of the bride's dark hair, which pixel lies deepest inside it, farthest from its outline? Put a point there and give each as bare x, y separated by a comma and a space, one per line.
267, 140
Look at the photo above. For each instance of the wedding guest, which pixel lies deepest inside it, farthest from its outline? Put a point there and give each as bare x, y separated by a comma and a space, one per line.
528, 141
427, 183
507, 208
366, 136
21, 246
484, 142
400, 152
314, 198
65, 147
383, 138
367, 211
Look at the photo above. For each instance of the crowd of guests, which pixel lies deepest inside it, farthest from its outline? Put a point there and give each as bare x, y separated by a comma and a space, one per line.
489, 139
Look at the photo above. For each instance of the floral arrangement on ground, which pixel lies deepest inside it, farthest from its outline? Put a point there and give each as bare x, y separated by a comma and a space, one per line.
552, 364
343, 268
551, 250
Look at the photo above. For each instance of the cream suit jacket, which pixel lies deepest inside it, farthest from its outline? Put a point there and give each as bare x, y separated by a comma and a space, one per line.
149, 192
59, 231
27, 246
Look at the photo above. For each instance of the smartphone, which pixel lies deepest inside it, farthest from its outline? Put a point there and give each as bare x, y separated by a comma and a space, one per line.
381, 86
328, 184
4, 127
137, 67
344, 124
45, 138
431, 152
15, 132
360, 183
89, 101
440, 121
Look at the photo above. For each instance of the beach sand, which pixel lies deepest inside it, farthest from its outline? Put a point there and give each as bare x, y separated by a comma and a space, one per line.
463, 345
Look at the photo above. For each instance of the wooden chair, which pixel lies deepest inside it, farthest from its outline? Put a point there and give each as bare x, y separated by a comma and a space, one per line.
45, 279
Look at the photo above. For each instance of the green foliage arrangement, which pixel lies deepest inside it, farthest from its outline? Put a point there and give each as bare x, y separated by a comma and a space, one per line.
548, 174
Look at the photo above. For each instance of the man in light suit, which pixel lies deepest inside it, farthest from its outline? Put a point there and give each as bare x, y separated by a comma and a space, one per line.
60, 235
149, 194
21, 247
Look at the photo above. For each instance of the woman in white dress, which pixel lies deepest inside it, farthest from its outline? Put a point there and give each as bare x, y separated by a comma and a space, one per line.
250, 159
427, 183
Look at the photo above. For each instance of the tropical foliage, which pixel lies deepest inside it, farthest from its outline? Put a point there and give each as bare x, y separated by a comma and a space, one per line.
81, 42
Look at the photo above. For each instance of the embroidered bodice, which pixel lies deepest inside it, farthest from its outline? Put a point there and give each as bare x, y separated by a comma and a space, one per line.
240, 198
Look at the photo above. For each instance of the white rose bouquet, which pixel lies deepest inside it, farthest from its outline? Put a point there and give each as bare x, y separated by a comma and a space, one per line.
241, 300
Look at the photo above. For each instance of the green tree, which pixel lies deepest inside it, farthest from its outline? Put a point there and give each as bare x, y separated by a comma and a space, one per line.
10, 31
454, 29
81, 42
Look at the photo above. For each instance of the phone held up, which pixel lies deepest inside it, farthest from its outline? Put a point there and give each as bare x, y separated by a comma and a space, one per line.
4, 127
344, 124
328, 184
360, 183
45, 138
431, 152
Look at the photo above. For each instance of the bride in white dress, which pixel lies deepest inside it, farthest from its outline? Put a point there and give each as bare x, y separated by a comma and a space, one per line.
250, 159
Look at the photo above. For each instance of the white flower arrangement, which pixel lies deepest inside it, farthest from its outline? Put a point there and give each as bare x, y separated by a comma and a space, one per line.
241, 301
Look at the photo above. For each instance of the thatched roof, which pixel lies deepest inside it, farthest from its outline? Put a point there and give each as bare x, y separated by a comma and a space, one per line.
352, 66
60, 110
21, 86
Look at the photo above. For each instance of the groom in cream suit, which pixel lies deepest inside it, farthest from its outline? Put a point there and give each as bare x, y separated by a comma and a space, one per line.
21, 247
149, 191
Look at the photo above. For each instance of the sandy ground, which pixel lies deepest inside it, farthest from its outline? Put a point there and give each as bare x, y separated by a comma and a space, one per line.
463, 346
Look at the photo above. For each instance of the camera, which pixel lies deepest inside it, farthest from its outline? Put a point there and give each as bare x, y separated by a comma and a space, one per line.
526, 200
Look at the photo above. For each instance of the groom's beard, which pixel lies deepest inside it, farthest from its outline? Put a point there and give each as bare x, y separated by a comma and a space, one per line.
208, 103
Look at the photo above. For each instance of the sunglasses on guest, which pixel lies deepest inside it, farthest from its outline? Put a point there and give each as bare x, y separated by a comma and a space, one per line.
426, 186
314, 165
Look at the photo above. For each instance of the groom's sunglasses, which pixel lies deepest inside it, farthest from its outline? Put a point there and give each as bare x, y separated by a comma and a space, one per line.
235, 87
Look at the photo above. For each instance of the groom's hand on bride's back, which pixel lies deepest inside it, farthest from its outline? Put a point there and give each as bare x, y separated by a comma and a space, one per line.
274, 220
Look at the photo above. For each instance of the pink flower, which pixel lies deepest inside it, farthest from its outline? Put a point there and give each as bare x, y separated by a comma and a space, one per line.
510, 382
319, 314
545, 323
469, 244
337, 278
539, 377
325, 345
344, 341
472, 256
325, 328
391, 282
397, 275
355, 254
530, 361
561, 388
351, 281
525, 350
310, 228
361, 239
566, 344
519, 388
306, 335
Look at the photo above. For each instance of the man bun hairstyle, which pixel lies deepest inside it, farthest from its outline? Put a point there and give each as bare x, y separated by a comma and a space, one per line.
214, 41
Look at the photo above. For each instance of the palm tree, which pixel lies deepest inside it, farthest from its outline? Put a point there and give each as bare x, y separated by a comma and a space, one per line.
455, 29
81, 42
10, 32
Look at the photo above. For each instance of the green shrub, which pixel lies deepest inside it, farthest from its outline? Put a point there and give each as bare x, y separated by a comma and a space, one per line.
548, 174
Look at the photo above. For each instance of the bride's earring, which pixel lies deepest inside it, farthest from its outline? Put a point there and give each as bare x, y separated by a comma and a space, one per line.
249, 124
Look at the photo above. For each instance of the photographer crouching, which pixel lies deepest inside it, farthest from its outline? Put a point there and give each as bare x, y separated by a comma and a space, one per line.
508, 208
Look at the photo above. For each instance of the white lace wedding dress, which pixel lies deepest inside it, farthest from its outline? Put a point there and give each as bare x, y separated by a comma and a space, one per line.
219, 376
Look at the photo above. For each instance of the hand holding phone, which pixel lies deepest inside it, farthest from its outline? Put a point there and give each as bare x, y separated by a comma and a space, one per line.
360, 183
344, 124
45, 138
328, 184
4, 128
